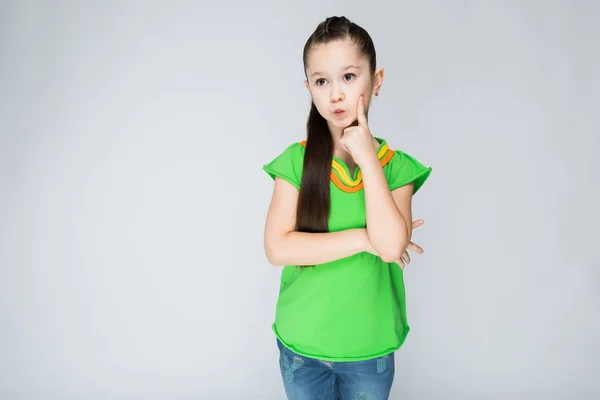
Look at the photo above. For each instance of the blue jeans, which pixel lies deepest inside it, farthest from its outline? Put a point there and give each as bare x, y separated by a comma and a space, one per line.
313, 379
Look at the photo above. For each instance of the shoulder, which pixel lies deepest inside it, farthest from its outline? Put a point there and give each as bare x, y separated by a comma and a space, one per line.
297, 147
288, 164
294, 152
404, 168
399, 156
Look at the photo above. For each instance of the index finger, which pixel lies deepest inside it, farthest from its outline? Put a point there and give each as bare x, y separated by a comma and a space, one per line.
417, 223
360, 115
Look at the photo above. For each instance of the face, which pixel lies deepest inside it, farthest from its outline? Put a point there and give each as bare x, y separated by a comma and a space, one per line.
337, 75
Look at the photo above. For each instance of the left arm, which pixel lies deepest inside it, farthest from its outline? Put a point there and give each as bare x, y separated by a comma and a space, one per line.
388, 213
389, 218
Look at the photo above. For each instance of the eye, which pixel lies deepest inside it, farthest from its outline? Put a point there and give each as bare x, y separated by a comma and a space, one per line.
345, 75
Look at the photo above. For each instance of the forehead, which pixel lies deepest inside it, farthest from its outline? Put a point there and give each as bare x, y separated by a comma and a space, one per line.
330, 57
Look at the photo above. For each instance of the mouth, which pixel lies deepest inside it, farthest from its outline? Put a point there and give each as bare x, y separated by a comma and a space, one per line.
339, 111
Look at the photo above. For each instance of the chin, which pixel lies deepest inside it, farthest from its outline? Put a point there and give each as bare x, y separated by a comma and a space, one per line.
343, 123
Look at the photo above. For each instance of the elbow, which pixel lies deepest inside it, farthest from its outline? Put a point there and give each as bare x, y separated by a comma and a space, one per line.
391, 256
271, 257
391, 244
394, 252
275, 250
272, 254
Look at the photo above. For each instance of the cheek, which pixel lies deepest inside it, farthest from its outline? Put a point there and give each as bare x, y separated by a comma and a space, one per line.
355, 93
320, 103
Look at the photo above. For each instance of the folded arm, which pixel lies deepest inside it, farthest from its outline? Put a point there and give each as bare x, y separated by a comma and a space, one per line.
285, 246
389, 213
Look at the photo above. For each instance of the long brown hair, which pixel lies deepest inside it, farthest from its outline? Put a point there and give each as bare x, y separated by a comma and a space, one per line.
314, 202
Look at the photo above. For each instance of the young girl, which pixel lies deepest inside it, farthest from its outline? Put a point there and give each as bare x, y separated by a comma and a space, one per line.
340, 222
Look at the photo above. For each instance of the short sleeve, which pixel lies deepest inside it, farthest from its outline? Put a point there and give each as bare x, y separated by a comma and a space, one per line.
405, 169
288, 165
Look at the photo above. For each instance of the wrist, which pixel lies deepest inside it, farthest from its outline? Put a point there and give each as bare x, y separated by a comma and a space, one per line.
370, 161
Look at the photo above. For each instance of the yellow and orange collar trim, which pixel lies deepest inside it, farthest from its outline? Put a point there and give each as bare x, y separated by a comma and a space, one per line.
340, 175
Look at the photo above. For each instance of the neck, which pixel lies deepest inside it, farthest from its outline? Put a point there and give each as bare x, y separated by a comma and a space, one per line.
336, 132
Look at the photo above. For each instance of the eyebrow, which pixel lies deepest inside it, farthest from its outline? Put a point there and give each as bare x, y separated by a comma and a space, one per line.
341, 69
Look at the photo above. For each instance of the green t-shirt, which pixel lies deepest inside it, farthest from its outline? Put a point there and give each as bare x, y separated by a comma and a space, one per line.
353, 308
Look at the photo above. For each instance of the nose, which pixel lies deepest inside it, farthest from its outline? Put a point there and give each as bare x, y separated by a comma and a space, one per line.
337, 94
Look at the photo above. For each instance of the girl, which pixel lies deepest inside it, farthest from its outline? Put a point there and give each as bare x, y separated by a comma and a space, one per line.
339, 221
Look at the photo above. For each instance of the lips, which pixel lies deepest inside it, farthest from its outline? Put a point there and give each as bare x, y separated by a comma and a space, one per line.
338, 111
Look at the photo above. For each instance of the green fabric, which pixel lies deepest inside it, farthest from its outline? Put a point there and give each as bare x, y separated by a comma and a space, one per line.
350, 309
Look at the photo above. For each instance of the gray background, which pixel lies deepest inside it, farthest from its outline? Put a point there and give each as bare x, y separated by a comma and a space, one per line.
132, 202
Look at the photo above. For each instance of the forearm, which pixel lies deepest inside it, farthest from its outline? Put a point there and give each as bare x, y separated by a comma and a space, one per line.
386, 228
303, 248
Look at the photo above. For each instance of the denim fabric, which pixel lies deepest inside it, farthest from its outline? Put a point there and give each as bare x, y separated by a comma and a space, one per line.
313, 379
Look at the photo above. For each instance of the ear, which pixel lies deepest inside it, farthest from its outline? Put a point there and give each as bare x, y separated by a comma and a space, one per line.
307, 86
378, 79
